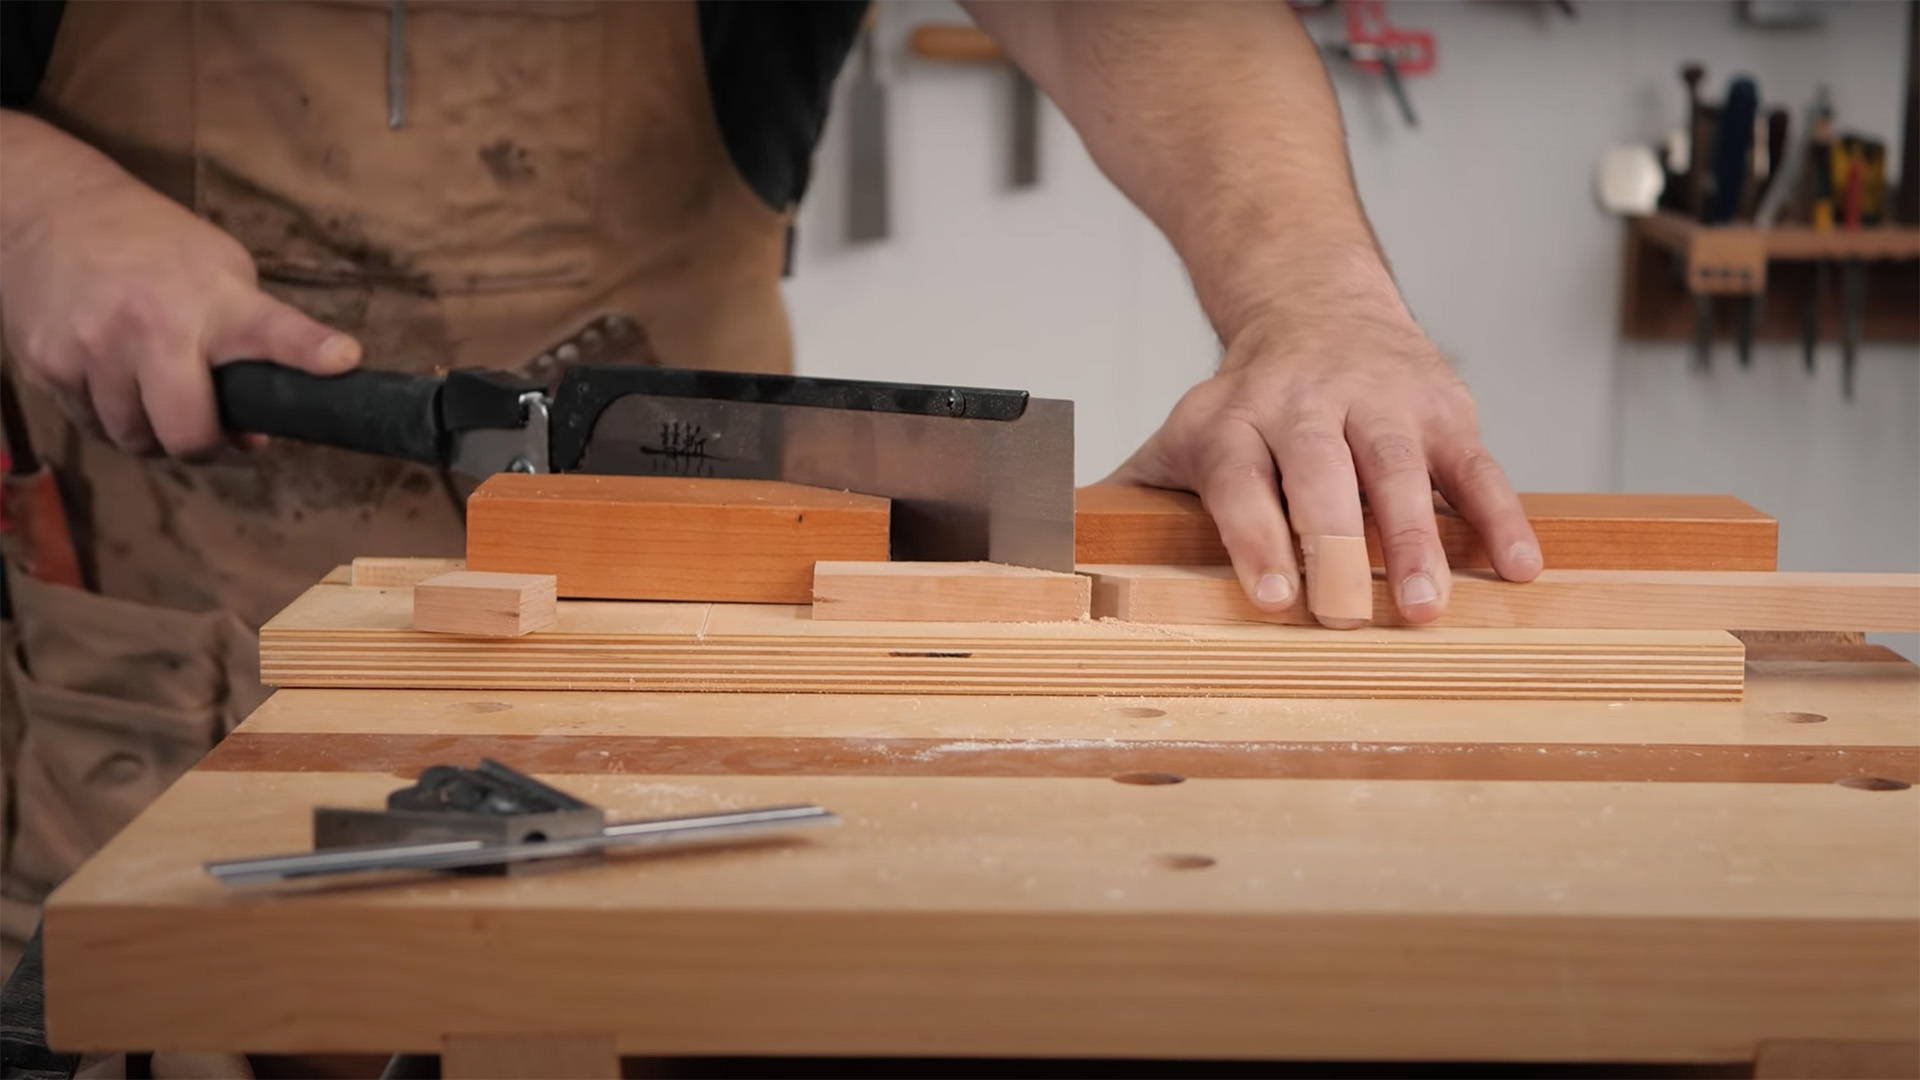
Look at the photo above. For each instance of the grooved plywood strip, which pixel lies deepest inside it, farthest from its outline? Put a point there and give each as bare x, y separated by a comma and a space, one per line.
947, 592
1119, 523
341, 636
1618, 599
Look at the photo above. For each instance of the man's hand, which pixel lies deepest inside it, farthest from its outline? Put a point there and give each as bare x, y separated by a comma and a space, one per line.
1372, 408
1218, 121
119, 301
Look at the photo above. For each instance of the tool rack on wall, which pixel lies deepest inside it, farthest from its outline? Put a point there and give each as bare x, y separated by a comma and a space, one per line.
1672, 262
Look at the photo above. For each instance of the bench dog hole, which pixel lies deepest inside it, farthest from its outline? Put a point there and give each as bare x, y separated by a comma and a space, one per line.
1187, 862
1150, 778
1874, 783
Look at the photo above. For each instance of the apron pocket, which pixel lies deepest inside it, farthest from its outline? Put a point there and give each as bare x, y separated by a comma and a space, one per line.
114, 700
87, 764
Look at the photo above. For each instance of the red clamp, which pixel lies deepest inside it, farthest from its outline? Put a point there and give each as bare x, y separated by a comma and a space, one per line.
1370, 36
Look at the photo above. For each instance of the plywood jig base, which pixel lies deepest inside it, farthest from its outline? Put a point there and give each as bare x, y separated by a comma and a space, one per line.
343, 636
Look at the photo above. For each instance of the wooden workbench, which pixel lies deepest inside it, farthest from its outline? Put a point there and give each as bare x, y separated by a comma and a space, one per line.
1508, 880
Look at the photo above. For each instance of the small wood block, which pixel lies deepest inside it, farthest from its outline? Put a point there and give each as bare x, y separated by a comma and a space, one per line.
671, 538
1558, 599
947, 592
527, 1057
1119, 523
384, 571
484, 604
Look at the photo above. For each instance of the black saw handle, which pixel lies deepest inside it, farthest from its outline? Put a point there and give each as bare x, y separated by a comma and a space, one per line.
374, 412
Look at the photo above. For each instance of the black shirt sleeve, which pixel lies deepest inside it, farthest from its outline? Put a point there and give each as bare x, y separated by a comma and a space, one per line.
27, 28
770, 71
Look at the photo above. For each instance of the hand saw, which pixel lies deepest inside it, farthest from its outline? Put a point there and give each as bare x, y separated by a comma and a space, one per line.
973, 473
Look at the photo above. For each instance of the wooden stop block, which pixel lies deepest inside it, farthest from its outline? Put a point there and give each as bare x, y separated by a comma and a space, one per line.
671, 538
484, 604
1122, 523
947, 592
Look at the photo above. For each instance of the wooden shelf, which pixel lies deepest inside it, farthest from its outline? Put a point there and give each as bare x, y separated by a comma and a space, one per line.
1670, 260
1785, 242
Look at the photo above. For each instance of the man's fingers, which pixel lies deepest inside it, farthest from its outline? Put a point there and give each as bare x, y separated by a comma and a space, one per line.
1323, 505
1477, 487
113, 396
255, 326
1237, 486
178, 395
1393, 465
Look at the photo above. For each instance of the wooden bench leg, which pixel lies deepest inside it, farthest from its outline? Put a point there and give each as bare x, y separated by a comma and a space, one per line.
1831, 1059
529, 1057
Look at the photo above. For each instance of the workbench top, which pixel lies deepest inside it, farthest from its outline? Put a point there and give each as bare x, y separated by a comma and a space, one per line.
1503, 880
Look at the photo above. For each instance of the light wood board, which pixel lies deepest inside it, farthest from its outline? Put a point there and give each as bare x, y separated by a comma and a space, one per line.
1618, 599
1647, 881
670, 538
1124, 524
1020, 901
947, 592
484, 603
344, 636
385, 571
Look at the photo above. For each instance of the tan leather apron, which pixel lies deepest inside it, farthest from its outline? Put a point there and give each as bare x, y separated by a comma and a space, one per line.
558, 161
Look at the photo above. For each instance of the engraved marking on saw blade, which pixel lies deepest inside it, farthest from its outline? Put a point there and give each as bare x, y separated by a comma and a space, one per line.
682, 450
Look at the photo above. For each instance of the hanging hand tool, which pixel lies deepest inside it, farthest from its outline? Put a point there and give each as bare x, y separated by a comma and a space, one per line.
868, 195
1732, 150
1699, 140
1853, 305
1702, 332
493, 818
1777, 125
973, 474
956, 43
1374, 44
1787, 183
1810, 316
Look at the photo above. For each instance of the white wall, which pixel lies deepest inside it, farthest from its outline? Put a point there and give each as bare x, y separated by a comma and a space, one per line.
1487, 214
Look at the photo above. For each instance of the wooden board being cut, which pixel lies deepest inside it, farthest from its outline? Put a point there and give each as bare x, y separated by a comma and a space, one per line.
947, 592
1117, 523
342, 636
1617, 599
670, 538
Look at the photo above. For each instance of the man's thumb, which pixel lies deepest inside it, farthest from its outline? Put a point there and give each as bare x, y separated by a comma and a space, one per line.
262, 328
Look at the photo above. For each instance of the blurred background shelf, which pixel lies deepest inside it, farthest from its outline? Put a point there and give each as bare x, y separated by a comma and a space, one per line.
1671, 260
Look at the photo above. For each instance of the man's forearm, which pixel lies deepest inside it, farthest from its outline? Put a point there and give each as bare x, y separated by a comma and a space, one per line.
1218, 121
39, 163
